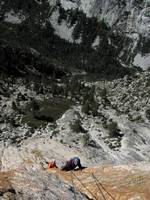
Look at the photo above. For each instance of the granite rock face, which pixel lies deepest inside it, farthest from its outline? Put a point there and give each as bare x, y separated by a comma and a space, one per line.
129, 15
51, 108
34, 184
124, 182
128, 20
24, 152
24, 175
64, 22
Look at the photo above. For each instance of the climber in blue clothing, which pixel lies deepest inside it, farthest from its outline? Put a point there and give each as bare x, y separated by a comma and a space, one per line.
72, 164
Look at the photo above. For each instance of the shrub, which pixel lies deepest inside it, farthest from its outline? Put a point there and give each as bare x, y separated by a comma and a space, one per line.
77, 127
90, 108
85, 108
103, 93
34, 105
113, 129
14, 106
138, 119
148, 82
85, 139
94, 108
54, 134
148, 113
88, 94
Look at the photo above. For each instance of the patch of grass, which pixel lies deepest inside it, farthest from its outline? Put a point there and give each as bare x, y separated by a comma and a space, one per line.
56, 107
49, 111
28, 162
37, 153
32, 122
5, 180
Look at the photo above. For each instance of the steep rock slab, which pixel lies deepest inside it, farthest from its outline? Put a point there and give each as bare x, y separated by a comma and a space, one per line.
34, 184
111, 182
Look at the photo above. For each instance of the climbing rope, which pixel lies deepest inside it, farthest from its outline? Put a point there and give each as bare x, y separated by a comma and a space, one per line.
73, 186
84, 186
98, 182
99, 187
